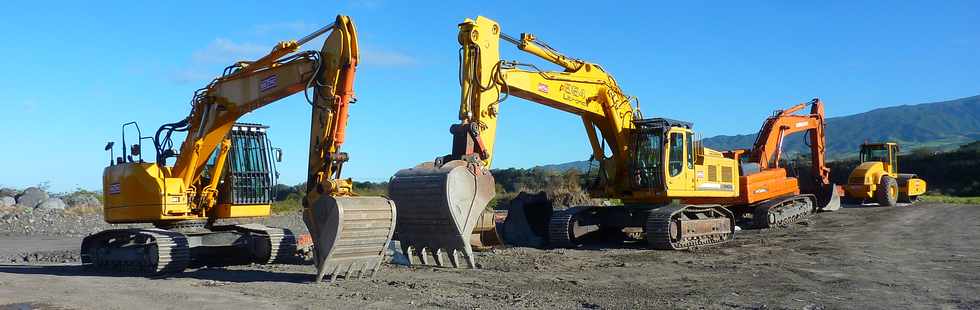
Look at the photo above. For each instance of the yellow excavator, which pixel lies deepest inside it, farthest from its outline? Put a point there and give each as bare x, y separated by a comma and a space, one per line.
675, 192
877, 178
224, 171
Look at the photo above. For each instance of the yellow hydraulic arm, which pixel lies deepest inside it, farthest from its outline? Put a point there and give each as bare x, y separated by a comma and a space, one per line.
248, 86
582, 88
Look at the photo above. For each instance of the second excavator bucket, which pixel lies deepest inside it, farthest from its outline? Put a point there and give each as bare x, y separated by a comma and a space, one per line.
828, 198
440, 207
485, 236
350, 234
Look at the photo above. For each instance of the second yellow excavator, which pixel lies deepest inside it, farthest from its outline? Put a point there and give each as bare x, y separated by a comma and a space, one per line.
675, 192
222, 171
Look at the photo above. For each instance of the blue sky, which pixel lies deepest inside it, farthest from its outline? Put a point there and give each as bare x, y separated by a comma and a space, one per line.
74, 72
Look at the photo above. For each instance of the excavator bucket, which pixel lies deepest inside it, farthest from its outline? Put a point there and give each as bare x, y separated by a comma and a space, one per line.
828, 198
350, 234
485, 234
440, 207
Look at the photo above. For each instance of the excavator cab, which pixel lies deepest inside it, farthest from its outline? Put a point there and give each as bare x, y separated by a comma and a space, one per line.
251, 170
659, 141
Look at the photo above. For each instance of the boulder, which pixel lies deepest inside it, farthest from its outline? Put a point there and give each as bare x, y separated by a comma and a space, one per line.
7, 201
82, 200
52, 203
10, 192
31, 197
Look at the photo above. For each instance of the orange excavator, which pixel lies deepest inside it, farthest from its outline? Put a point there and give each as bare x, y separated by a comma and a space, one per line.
770, 195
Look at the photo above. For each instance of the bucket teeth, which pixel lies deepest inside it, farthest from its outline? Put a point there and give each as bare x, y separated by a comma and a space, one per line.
440, 257
349, 271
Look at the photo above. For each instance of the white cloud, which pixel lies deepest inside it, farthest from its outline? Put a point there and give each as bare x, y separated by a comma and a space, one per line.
369, 4
223, 50
372, 55
293, 27
190, 75
386, 58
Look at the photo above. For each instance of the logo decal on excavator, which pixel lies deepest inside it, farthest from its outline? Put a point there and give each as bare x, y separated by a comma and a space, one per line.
115, 189
542, 88
269, 83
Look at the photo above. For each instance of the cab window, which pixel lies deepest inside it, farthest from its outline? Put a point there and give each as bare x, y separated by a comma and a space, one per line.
874, 154
690, 152
676, 158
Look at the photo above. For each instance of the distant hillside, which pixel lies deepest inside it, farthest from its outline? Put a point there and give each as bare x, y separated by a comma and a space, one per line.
581, 166
943, 125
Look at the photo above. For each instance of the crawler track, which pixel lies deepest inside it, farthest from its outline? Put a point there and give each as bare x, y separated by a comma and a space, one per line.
678, 227
784, 211
281, 243
146, 251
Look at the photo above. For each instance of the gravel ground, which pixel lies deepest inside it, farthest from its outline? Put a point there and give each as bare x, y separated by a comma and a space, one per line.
857, 258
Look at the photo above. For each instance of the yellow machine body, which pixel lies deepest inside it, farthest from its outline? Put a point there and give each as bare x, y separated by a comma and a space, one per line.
139, 193
693, 171
878, 161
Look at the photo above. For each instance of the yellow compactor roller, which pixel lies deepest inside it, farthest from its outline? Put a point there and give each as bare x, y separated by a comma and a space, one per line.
223, 171
877, 178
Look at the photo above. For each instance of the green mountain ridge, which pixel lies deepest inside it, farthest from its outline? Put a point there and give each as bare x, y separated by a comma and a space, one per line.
943, 125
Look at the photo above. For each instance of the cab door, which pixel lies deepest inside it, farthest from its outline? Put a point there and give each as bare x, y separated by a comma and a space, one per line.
680, 164
893, 159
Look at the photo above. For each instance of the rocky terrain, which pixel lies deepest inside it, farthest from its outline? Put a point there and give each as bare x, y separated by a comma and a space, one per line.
922, 256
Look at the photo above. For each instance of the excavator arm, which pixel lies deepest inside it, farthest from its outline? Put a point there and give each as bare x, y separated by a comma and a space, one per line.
582, 88
767, 149
247, 86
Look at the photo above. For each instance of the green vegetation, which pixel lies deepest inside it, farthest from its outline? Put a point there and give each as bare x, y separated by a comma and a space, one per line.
951, 199
290, 198
292, 203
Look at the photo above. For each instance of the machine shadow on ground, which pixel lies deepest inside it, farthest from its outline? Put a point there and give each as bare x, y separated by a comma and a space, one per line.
212, 274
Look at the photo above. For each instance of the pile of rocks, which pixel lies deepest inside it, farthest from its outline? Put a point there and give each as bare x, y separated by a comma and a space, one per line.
34, 211
36, 198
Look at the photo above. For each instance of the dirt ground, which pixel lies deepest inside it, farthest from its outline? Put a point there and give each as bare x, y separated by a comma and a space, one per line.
925, 256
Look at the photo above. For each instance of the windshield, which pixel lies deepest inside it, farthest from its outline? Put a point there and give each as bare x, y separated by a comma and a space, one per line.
874, 153
649, 146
